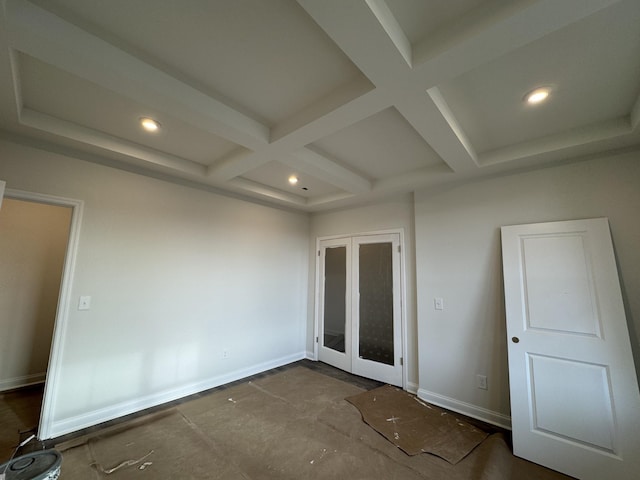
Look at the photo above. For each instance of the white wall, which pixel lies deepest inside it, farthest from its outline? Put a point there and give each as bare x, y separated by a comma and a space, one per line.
176, 276
33, 243
458, 259
393, 213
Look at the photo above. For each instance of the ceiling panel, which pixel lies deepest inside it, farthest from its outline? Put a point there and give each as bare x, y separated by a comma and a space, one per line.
266, 58
381, 146
594, 78
49, 90
249, 90
418, 18
276, 175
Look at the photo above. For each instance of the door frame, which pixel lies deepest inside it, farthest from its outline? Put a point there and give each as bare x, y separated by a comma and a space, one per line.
63, 309
403, 292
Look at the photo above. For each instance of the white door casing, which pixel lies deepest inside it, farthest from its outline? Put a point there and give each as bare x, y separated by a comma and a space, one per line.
575, 405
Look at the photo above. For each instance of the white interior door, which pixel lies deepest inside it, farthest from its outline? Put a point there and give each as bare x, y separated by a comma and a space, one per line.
359, 314
376, 327
334, 339
575, 405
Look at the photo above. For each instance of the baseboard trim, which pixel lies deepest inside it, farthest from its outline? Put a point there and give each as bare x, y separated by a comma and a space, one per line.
22, 381
473, 411
412, 388
89, 419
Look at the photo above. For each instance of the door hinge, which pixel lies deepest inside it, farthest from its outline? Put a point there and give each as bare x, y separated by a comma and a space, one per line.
318, 252
401, 361
398, 248
316, 339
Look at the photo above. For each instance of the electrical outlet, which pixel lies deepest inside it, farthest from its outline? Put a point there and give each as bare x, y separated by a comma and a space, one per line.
481, 382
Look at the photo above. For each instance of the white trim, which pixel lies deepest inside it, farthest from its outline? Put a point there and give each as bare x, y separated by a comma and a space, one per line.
403, 310
64, 301
362, 234
473, 411
412, 388
403, 297
316, 309
22, 381
89, 419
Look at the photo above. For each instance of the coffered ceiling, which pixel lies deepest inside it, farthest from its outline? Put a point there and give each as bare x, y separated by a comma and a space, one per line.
358, 99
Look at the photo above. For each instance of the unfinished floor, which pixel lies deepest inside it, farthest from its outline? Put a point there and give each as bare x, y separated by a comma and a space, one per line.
290, 423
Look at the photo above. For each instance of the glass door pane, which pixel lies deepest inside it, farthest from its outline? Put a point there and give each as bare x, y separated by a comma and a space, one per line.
376, 302
335, 292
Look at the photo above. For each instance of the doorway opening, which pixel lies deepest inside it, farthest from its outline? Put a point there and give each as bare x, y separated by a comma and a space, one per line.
38, 239
360, 320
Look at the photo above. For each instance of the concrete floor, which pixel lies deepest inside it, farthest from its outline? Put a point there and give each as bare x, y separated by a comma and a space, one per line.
291, 423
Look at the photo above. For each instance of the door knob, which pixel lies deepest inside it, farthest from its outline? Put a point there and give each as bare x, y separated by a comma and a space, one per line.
515, 339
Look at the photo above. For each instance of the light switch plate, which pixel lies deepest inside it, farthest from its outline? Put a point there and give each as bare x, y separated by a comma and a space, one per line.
84, 303
438, 303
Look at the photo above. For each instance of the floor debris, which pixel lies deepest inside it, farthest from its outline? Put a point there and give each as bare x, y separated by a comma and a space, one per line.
126, 463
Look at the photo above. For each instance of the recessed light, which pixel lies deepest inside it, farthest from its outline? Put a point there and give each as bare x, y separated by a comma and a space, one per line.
293, 179
538, 95
149, 124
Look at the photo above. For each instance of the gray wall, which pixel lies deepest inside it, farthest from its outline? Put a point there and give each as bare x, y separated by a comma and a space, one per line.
176, 276
458, 259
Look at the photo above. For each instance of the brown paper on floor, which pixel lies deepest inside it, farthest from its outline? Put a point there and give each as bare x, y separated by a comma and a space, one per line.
162, 446
415, 426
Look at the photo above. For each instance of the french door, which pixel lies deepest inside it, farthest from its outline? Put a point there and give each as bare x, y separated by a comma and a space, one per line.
359, 311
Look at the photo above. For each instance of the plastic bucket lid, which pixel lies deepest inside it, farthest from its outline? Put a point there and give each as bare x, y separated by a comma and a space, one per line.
42, 465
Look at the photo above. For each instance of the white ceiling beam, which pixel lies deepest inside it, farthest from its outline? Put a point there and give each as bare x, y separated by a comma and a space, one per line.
328, 199
385, 67
78, 133
235, 164
427, 176
10, 98
561, 142
490, 31
41, 34
356, 29
399, 74
386, 19
340, 108
341, 117
322, 168
261, 190
428, 116
442, 106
